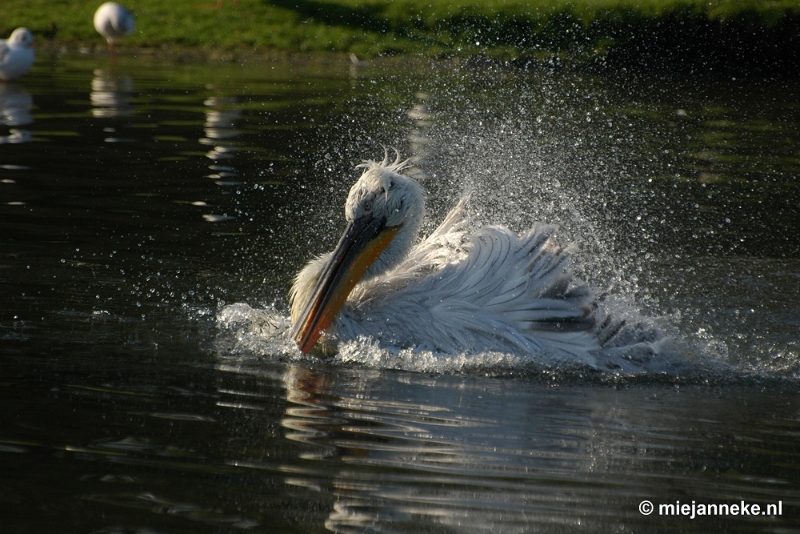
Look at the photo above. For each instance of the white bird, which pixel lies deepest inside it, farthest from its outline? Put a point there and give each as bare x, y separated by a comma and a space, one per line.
113, 22
495, 292
16, 54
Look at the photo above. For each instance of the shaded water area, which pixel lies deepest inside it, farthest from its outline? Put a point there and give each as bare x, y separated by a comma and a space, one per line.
144, 202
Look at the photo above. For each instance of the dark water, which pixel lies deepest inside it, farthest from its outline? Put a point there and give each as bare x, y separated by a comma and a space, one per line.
153, 215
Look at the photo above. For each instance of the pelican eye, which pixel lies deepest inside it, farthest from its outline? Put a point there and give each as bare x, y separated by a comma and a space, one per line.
367, 205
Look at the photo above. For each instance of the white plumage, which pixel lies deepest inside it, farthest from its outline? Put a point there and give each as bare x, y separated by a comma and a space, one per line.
113, 21
495, 291
16, 54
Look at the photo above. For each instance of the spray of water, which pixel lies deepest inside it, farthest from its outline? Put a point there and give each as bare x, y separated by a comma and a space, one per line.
551, 152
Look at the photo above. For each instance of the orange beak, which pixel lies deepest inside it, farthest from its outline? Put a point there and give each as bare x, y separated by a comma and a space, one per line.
363, 241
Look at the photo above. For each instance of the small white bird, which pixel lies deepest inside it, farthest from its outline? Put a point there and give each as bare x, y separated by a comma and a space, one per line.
16, 54
494, 292
113, 22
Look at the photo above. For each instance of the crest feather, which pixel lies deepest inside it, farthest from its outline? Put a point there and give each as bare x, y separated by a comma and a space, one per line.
393, 166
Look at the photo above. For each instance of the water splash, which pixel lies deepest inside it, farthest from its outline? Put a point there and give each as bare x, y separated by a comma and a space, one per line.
244, 331
560, 150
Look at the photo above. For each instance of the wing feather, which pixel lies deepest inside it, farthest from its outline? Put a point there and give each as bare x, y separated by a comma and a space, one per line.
497, 291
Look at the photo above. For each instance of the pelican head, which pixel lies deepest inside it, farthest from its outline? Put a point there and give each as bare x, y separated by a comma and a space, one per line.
384, 211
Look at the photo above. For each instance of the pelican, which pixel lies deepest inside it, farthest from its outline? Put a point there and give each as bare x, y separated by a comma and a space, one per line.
496, 291
16, 54
113, 22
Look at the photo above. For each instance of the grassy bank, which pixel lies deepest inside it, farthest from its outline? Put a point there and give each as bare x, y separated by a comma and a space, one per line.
747, 34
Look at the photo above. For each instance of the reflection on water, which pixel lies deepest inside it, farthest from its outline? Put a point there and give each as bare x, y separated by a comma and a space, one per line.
15, 135
220, 134
111, 94
15, 105
418, 140
15, 110
128, 407
485, 456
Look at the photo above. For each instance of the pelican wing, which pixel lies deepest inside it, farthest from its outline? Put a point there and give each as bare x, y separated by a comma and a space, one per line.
496, 292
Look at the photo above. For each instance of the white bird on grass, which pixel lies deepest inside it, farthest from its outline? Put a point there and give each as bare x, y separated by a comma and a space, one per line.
113, 22
496, 292
16, 54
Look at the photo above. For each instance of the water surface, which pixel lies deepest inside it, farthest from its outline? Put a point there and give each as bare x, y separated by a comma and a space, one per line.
141, 202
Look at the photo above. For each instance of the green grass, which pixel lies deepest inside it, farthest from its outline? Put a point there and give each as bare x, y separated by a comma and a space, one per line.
607, 30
